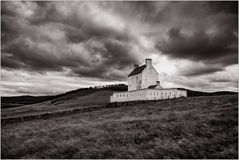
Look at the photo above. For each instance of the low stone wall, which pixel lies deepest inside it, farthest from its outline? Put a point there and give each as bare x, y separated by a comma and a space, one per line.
147, 94
52, 114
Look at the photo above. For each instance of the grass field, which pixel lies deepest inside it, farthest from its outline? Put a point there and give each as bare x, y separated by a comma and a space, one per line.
59, 104
199, 127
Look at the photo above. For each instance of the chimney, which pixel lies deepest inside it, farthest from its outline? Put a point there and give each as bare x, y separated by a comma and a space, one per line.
157, 83
136, 65
148, 62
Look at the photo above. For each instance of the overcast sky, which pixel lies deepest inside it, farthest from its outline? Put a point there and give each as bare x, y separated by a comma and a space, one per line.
53, 47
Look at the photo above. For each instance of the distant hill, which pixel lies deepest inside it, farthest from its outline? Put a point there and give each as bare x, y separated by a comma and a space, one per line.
18, 101
10, 102
192, 93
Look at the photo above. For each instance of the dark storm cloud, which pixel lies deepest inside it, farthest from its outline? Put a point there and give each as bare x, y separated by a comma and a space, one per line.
77, 26
108, 49
213, 41
200, 70
50, 36
220, 80
202, 47
220, 6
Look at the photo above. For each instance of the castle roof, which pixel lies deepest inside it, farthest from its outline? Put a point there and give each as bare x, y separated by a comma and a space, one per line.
137, 70
152, 86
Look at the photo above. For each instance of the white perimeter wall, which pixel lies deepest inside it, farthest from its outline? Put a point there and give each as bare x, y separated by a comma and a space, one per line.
147, 94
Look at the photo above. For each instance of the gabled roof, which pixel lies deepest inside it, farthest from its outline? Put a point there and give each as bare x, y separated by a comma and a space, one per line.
152, 86
137, 70
157, 86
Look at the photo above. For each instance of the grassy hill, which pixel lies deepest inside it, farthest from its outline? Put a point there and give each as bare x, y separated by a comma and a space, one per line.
191, 93
76, 99
98, 98
193, 127
18, 101
10, 102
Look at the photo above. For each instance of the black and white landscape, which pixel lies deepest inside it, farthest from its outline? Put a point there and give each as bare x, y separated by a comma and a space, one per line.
62, 60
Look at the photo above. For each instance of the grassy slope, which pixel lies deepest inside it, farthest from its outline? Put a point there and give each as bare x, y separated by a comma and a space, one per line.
75, 99
62, 103
11, 102
191, 93
200, 127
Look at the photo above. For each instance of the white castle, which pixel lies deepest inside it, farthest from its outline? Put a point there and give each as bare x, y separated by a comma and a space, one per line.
143, 85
